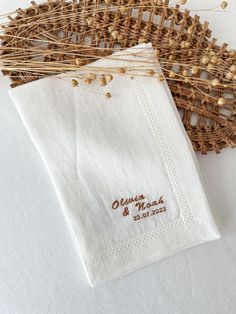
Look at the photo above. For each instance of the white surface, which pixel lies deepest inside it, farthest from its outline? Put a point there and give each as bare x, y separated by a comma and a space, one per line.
39, 268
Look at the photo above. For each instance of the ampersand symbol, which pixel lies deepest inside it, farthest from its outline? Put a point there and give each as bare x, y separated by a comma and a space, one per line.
126, 211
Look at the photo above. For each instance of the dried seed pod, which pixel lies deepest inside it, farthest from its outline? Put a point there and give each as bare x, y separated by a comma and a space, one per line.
233, 68
108, 95
194, 70
214, 59
150, 72
161, 77
157, 52
185, 44
74, 83
182, 2
172, 42
92, 76
224, 5
172, 74
110, 29
79, 62
102, 81
229, 76
171, 57
87, 81
158, 2
190, 29
120, 37
210, 67
221, 101
109, 78
212, 53
215, 82
115, 34
205, 60
89, 21
231, 53
141, 40
185, 73
122, 70
123, 9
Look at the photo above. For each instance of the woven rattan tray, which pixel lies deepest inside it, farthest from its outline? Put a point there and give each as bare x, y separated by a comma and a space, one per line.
178, 38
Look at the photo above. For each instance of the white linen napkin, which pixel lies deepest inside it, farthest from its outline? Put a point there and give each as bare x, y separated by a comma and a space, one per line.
123, 168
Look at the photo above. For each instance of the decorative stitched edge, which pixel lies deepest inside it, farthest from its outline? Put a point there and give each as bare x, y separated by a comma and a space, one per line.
135, 241
166, 155
167, 159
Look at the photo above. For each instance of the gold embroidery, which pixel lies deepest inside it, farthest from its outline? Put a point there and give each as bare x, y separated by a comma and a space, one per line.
143, 205
140, 205
126, 211
127, 201
148, 214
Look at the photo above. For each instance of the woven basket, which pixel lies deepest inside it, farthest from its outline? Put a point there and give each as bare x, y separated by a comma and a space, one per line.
209, 125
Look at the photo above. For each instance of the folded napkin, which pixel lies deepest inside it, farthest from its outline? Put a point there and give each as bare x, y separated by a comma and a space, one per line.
123, 168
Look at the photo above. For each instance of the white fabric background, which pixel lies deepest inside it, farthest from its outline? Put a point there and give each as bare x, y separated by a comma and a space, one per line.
40, 271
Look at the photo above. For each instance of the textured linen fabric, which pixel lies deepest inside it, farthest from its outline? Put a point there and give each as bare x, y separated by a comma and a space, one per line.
123, 168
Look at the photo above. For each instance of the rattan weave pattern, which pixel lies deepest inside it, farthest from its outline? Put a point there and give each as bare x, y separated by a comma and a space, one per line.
209, 126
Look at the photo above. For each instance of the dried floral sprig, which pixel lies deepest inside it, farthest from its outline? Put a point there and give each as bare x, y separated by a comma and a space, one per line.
40, 68
104, 79
62, 38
